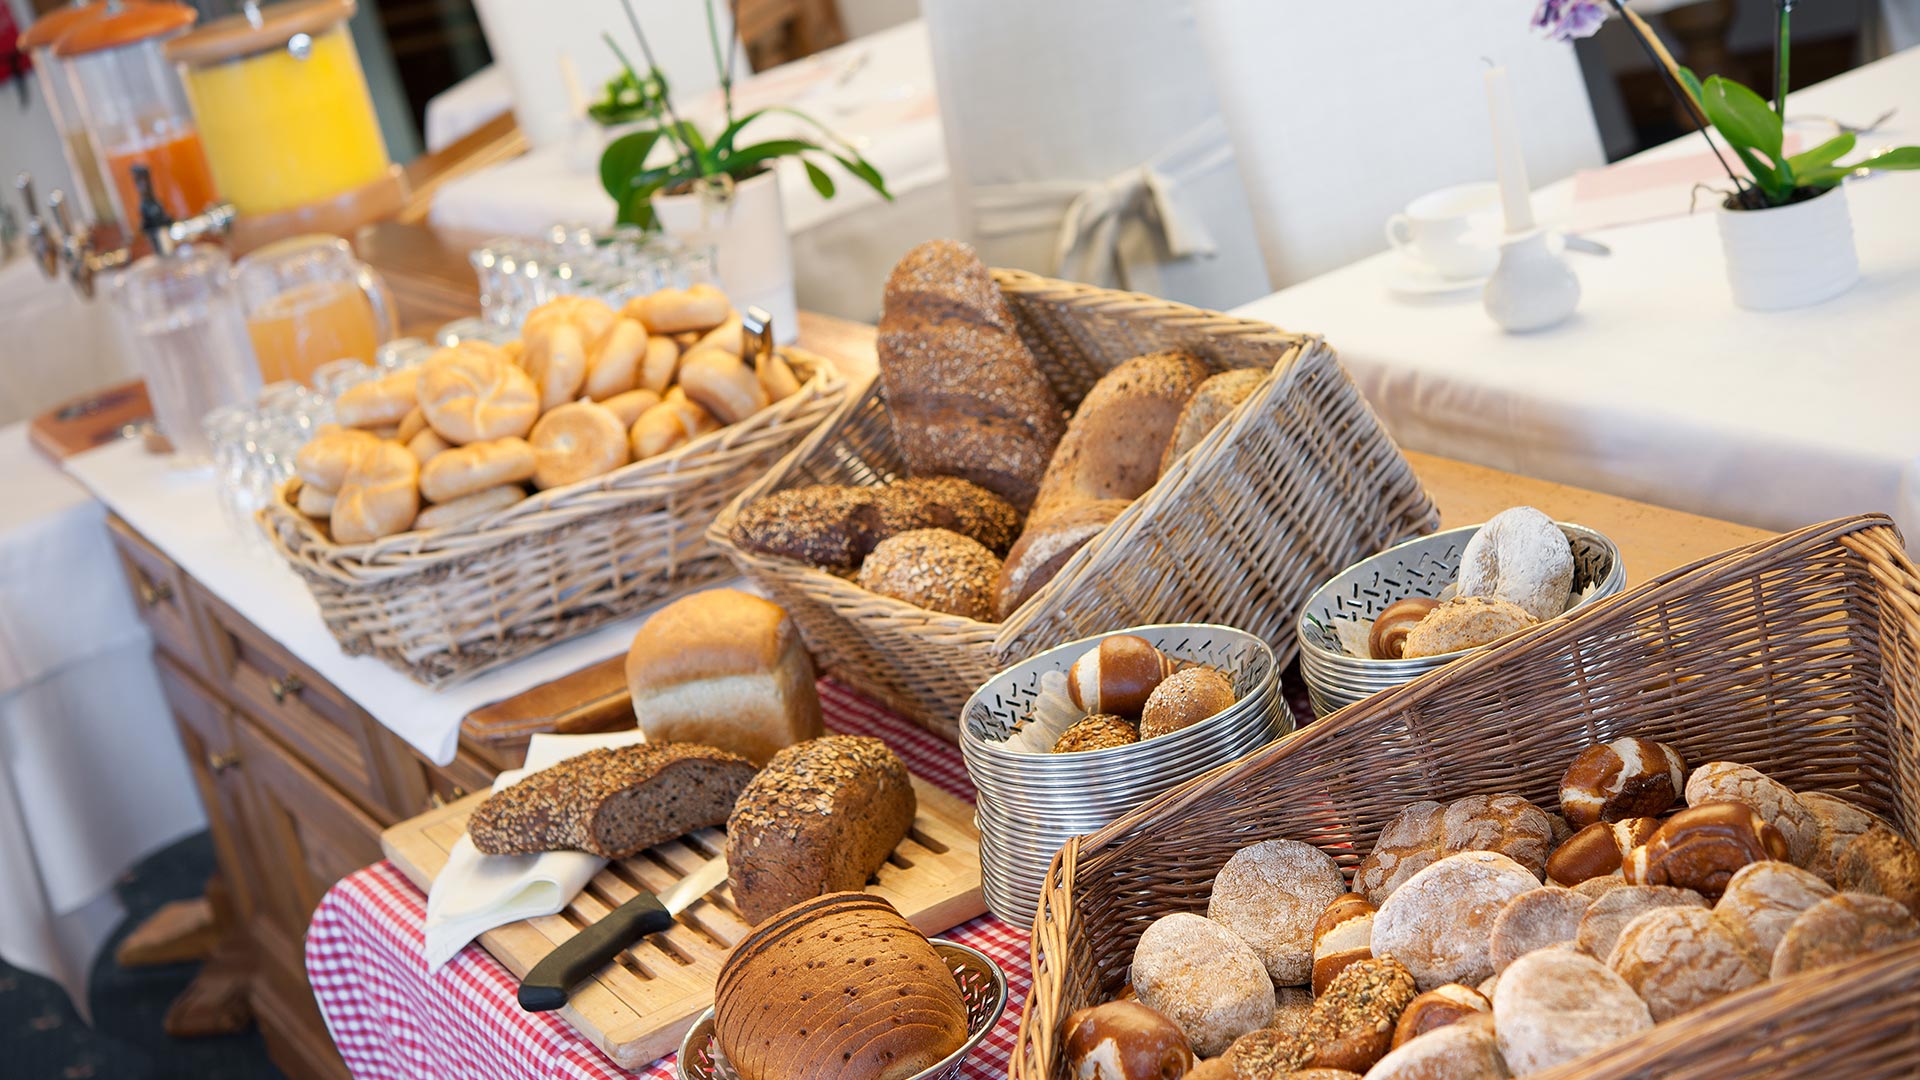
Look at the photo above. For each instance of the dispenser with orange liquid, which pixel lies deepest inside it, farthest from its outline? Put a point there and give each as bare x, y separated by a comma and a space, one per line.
90, 184
134, 107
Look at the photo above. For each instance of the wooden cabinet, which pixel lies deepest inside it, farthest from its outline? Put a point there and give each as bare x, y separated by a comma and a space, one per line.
297, 781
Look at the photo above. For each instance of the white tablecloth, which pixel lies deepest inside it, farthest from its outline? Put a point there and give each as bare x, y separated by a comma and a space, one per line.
876, 91
1659, 388
91, 772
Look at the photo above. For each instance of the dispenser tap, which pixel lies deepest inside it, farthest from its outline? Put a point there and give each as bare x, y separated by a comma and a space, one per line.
44, 247
166, 234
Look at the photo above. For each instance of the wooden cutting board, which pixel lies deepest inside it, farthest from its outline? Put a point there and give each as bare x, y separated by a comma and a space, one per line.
637, 1010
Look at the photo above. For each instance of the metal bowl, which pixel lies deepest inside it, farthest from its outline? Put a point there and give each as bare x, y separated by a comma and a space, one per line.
1421, 567
982, 985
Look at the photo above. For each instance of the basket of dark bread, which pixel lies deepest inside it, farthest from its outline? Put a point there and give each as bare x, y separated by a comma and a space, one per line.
495, 500
1671, 836
1042, 461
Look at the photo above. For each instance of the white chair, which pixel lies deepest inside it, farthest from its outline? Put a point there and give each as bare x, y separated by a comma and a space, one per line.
1341, 113
1084, 142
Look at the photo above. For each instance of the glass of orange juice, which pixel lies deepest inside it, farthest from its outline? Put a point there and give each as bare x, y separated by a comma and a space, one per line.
309, 302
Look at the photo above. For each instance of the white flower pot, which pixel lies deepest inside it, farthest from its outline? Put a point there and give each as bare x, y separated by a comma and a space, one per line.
752, 251
1790, 256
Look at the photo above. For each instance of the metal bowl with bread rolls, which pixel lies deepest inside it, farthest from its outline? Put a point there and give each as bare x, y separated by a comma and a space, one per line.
1195, 695
1361, 632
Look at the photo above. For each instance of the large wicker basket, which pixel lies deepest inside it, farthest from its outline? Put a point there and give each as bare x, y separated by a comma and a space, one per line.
445, 604
1299, 483
1798, 655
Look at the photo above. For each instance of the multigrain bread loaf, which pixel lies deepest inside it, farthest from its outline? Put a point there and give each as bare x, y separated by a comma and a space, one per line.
836, 526
838, 986
821, 817
966, 397
612, 802
727, 669
1210, 404
1113, 445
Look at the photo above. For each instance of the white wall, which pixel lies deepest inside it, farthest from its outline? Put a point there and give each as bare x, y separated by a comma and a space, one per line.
27, 138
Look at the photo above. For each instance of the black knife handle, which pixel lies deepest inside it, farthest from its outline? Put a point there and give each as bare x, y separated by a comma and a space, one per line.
551, 981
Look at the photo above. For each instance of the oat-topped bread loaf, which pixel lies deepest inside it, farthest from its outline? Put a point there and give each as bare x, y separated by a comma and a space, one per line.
821, 817
966, 396
836, 526
839, 986
614, 802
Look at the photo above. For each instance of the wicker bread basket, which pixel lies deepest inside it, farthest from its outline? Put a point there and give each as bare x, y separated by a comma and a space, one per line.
445, 604
1799, 656
1298, 483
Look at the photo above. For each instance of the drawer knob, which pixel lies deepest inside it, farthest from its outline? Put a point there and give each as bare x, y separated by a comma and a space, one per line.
154, 593
435, 800
285, 686
222, 762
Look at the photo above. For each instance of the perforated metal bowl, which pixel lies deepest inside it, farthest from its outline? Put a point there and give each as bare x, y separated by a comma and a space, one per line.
1422, 567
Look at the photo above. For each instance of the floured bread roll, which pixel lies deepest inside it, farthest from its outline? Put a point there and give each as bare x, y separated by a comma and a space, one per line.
1522, 557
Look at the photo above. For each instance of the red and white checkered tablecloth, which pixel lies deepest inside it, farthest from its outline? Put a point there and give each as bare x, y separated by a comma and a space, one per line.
392, 1020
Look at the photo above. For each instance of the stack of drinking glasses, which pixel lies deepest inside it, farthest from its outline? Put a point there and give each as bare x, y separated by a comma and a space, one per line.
518, 274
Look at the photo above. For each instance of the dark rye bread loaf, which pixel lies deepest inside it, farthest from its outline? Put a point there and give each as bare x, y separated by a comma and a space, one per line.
837, 986
964, 392
835, 526
612, 802
821, 817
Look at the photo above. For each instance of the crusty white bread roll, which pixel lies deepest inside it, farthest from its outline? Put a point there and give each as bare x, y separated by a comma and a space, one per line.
471, 392
658, 366
675, 311
323, 462
411, 424
469, 508
614, 368
590, 317
721, 383
377, 402
575, 441
776, 377
313, 502
380, 496
474, 467
427, 444
728, 337
630, 405
725, 669
558, 364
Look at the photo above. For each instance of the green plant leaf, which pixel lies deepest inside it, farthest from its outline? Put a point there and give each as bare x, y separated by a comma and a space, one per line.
624, 159
741, 163
1906, 157
864, 169
1692, 82
1765, 176
1742, 116
1823, 155
822, 183
1825, 176
723, 145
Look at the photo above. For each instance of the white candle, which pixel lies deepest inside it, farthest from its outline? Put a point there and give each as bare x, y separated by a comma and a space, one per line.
1516, 194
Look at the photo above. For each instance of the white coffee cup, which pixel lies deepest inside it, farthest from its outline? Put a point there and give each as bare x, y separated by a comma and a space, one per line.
1454, 230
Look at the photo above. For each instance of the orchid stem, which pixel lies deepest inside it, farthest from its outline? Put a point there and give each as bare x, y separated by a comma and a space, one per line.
1781, 46
677, 133
1664, 63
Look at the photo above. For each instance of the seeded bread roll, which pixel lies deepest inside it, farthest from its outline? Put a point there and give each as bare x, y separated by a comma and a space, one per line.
612, 803
1101, 731
836, 526
966, 396
1114, 443
1184, 699
934, 569
821, 817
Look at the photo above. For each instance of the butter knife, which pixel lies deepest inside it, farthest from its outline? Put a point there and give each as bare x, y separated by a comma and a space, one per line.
551, 982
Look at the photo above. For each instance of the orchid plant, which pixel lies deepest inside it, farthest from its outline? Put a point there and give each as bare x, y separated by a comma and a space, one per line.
1752, 127
717, 161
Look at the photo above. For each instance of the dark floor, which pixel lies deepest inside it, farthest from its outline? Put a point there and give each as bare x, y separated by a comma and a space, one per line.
45, 1039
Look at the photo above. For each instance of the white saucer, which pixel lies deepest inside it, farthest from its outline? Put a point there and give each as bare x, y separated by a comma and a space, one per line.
1410, 277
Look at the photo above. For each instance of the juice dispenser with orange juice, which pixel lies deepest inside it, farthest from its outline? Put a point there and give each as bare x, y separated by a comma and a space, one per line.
287, 120
308, 302
134, 107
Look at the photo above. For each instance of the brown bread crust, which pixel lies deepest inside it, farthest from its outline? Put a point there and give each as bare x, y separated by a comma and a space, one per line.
836, 527
612, 802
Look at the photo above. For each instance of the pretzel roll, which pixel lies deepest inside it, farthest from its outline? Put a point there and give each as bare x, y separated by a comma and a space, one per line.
427, 444
1388, 637
380, 496
659, 363
411, 424
468, 508
1117, 675
377, 402
615, 367
675, 311
728, 337
723, 384
476, 467
576, 441
558, 364
776, 377
630, 405
472, 392
324, 461
313, 502
1702, 847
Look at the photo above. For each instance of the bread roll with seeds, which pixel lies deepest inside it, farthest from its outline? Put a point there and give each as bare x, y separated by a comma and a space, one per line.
836, 526
1184, 699
936, 569
1101, 731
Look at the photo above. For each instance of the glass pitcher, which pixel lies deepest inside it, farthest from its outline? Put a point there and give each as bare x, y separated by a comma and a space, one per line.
183, 321
310, 302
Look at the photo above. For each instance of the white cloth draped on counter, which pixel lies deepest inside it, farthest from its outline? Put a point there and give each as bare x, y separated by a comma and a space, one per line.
1118, 231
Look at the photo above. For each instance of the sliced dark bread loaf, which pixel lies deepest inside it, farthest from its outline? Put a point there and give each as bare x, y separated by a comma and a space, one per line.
820, 818
612, 803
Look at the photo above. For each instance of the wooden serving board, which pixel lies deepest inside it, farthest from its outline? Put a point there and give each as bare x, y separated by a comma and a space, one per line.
638, 1009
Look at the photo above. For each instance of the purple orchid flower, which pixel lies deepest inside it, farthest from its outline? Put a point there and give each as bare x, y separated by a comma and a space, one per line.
1564, 20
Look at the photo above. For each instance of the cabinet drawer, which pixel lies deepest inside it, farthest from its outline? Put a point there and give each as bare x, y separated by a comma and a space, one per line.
160, 594
332, 735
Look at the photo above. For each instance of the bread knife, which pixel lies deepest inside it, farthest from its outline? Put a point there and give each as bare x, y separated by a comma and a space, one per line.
551, 982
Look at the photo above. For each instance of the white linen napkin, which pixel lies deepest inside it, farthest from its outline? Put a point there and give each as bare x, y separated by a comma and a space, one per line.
476, 892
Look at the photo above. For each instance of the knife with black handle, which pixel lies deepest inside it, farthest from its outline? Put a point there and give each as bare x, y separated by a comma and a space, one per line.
551, 982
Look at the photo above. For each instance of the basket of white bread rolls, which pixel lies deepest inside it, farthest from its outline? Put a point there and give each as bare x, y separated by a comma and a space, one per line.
1042, 461
1673, 836
498, 499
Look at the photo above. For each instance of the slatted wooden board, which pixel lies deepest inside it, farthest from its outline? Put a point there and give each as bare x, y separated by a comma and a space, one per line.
638, 1009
